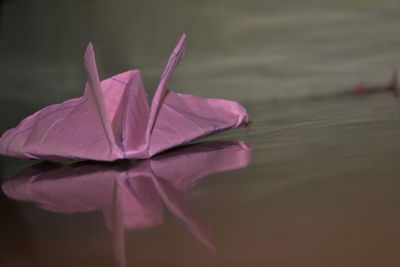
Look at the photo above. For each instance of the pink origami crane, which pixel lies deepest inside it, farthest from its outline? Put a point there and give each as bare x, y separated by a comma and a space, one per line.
113, 120
130, 196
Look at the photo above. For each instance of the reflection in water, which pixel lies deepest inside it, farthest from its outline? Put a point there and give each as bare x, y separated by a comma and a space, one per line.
130, 195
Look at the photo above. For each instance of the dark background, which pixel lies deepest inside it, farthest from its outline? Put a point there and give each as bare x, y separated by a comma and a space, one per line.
241, 50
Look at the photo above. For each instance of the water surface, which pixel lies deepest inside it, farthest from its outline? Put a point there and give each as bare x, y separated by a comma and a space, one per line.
319, 187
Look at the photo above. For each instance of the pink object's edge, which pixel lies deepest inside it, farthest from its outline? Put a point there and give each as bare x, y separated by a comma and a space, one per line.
113, 119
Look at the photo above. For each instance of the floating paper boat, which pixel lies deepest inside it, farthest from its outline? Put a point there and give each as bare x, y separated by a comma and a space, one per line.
113, 119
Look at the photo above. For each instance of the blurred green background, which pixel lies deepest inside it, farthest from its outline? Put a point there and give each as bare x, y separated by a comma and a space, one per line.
241, 50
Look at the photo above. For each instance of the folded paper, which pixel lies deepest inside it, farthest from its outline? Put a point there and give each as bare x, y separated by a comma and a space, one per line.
113, 119
130, 195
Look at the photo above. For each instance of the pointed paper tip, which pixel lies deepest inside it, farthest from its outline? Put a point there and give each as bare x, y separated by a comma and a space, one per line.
89, 51
182, 39
89, 46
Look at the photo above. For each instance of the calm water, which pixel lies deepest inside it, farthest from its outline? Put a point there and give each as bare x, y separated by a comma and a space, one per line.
312, 182
319, 187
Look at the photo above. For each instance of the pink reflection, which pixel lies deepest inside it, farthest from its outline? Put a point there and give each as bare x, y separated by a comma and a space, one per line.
130, 195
